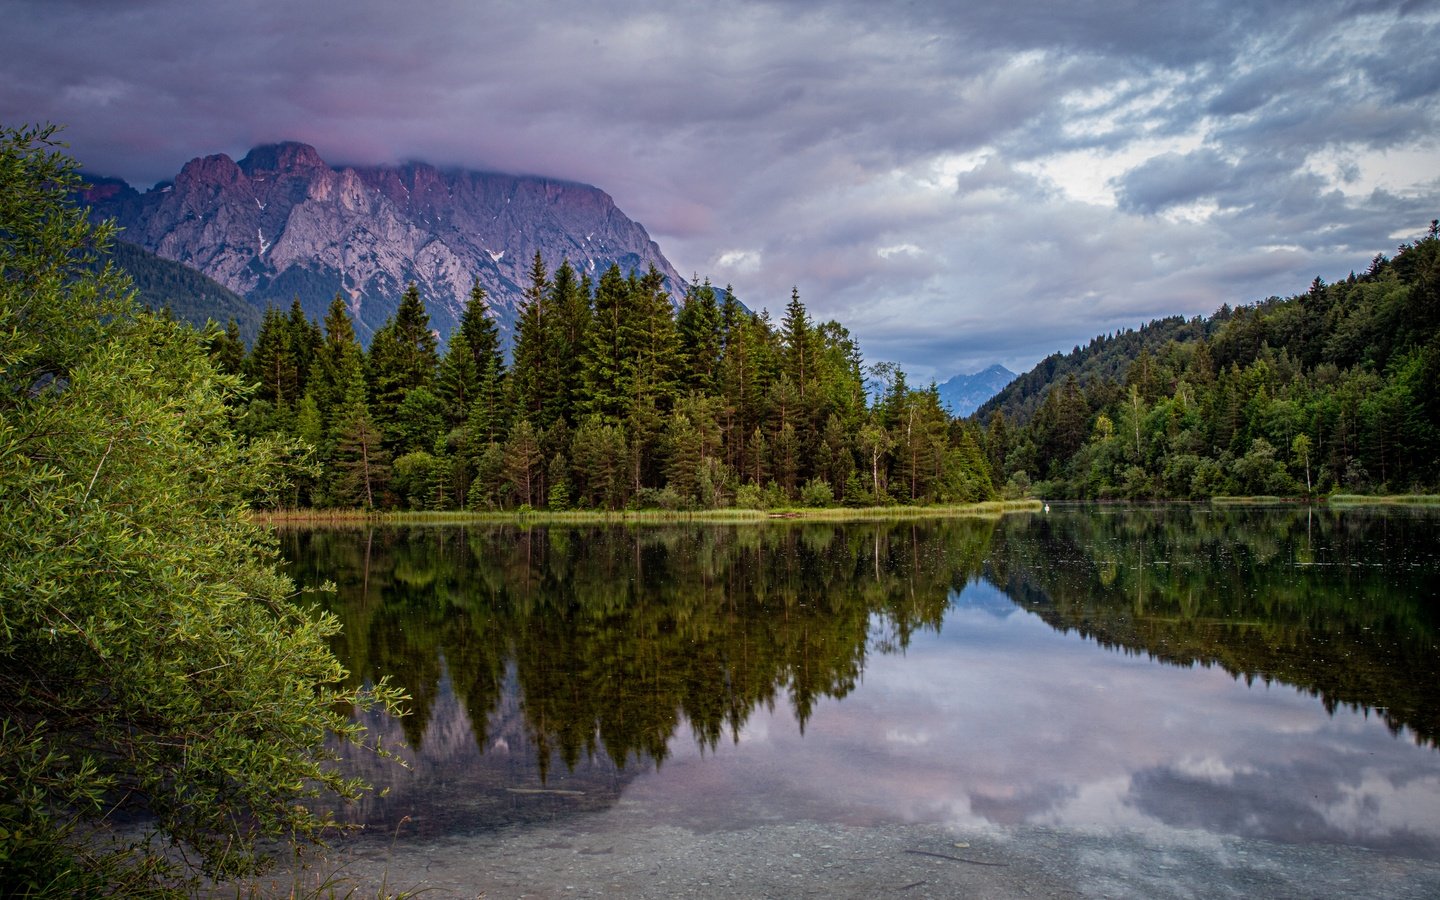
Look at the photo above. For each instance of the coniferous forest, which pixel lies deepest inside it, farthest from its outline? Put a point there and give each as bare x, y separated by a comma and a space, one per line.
616, 397
1333, 390
613, 399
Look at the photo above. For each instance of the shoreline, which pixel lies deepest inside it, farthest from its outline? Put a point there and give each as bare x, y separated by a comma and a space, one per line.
358, 517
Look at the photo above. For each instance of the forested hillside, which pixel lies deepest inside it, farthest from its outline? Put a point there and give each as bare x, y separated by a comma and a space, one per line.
189, 295
614, 399
1335, 389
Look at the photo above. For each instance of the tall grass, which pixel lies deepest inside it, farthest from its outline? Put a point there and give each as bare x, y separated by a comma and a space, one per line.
1385, 500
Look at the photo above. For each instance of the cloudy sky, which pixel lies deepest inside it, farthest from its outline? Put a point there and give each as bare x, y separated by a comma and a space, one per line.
959, 183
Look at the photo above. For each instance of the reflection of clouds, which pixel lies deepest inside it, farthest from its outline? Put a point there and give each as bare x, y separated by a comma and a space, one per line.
1005, 721
1300, 803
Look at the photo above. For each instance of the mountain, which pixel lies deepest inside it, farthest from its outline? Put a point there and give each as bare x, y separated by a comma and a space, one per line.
189, 295
963, 394
282, 223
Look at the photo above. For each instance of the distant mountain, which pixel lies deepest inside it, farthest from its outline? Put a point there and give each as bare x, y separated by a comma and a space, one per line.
282, 223
963, 394
189, 295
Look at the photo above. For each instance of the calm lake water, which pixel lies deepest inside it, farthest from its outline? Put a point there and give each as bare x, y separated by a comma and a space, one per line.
1171, 701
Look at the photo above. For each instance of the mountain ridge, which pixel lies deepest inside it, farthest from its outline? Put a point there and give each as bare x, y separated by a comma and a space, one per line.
283, 223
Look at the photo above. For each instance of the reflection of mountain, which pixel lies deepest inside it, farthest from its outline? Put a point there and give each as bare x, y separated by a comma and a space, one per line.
982, 596
1339, 605
613, 636
454, 785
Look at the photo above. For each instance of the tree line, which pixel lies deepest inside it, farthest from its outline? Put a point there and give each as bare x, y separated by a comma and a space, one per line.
1333, 390
613, 398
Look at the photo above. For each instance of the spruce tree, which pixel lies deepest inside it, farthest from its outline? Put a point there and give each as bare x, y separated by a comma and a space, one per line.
458, 383
339, 361
699, 327
227, 350
565, 340
529, 373
603, 391
360, 470
487, 416
272, 364
402, 357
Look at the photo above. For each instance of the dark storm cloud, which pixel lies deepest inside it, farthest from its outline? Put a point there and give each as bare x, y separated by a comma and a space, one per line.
958, 183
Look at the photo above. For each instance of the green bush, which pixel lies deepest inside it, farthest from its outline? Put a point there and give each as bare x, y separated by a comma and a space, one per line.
154, 659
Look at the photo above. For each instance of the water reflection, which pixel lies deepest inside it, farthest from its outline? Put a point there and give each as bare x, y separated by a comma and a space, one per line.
1341, 605
555, 669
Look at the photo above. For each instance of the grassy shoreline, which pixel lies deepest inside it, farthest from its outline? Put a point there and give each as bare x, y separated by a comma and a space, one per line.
1385, 500
1335, 500
355, 517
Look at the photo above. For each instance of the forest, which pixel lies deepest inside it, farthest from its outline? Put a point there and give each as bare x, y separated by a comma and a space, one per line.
1336, 390
616, 397
613, 398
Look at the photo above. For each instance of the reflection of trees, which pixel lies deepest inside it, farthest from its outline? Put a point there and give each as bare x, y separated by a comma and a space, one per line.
1340, 605
615, 634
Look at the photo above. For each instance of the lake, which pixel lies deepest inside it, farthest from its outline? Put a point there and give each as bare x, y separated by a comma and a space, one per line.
1168, 701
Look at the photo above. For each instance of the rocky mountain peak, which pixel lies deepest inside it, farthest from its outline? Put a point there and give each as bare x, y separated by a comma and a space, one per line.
285, 157
282, 223
218, 170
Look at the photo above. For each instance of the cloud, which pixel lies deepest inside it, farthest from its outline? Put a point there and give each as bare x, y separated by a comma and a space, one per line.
1059, 171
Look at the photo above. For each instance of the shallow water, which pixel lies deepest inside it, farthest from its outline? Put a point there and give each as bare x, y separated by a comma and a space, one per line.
1142, 702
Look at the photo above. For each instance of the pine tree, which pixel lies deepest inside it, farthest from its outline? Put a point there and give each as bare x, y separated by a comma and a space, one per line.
272, 361
650, 346
402, 357
800, 344
487, 415
304, 339
360, 471
530, 370
699, 327
523, 461
227, 350
565, 339
458, 383
339, 361
682, 465
603, 392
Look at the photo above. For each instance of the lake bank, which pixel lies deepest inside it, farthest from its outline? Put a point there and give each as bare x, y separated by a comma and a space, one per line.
351, 517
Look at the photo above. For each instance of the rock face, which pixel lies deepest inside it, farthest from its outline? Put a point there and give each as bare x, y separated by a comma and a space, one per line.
964, 394
282, 223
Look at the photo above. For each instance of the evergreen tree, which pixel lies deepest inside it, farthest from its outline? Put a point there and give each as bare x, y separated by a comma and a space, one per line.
530, 373
523, 461
699, 327
799, 338
458, 383
360, 470
227, 350
304, 339
272, 364
339, 361
487, 415
603, 390
565, 344
403, 357
600, 457
682, 466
